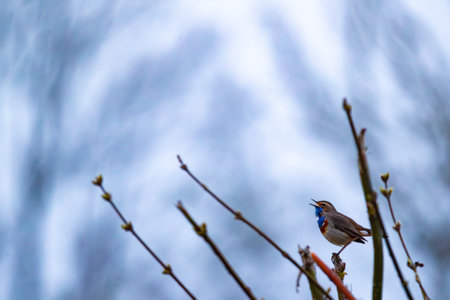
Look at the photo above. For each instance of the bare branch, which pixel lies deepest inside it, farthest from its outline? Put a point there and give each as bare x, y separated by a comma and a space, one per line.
201, 231
333, 277
127, 226
339, 269
387, 192
308, 264
238, 216
376, 221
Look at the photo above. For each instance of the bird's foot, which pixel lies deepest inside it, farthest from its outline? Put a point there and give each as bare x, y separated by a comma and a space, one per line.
339, 265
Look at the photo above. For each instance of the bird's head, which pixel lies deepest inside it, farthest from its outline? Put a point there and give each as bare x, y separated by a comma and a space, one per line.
322, 206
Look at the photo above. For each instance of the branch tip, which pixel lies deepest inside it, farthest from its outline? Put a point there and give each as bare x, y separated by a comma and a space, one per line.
98, 180
182, 164
347, 107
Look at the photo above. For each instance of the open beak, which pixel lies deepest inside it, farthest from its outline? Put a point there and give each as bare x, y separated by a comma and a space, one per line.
314, 204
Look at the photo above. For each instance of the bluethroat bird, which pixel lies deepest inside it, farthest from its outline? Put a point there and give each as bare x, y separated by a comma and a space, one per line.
338, 228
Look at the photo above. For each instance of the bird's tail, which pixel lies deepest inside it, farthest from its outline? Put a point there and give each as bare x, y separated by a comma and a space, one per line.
367, 232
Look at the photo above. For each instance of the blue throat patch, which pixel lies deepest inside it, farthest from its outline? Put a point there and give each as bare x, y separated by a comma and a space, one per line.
320, 217
319, 211
320, 221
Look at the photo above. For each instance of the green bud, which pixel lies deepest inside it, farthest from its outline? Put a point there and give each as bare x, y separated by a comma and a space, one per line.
167, 270
128, 226
98, 180
106, 196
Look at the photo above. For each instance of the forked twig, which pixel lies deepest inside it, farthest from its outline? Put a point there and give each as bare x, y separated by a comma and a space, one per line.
238, 216
397, 227
127, 226
201, 231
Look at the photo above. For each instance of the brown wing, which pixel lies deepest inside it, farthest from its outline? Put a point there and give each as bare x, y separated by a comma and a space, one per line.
349, 226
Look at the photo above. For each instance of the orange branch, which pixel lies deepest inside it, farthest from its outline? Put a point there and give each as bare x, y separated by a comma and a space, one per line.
333, 277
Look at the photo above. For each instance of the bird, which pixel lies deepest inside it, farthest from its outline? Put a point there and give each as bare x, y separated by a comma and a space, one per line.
337, 228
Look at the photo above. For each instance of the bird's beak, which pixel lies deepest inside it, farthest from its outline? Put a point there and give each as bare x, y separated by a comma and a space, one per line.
314, 204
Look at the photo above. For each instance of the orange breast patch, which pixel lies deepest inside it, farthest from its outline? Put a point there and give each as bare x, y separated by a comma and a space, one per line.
324, 226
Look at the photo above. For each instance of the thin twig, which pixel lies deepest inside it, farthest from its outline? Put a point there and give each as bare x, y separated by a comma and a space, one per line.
376, 221
201, 231
333, 277
397, 227
238, 216
394, 259
127, 226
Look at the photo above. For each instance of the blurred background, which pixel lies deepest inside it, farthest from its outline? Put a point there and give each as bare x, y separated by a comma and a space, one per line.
249, 93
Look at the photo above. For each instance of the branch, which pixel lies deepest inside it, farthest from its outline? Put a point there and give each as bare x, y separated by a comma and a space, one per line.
370, 197
127, 226
238, 216
201, 231
339, 269
397, 227
308, 264
376, 221
333, 277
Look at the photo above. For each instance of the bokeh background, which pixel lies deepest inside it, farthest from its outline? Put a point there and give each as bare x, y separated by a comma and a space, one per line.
249, 93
